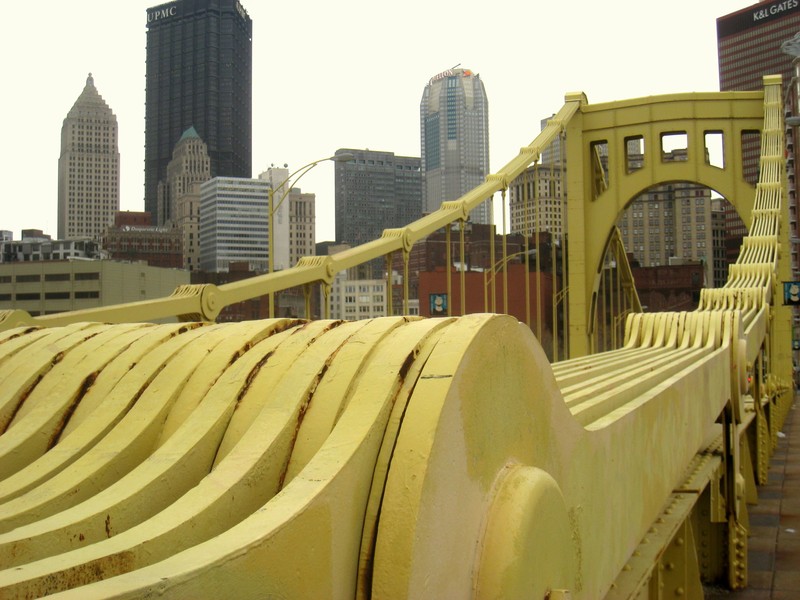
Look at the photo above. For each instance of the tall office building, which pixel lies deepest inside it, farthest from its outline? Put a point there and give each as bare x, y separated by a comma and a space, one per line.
294, 219
749, 44
179, 194
278, 179
302, 225
233, 223
375, 191
672, 224
537, 201
187, 222
88, 167
190, 164
454, 124
199, 73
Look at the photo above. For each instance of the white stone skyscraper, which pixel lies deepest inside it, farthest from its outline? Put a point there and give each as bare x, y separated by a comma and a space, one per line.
88, 167
454, 126
190, 164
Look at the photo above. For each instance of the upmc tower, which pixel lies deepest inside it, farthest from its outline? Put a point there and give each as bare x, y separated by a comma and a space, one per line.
199, 74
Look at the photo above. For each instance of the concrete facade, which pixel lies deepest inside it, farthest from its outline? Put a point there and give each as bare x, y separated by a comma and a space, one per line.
357, 299
537, 201
234, 223
187, 223
294, 216
48, 287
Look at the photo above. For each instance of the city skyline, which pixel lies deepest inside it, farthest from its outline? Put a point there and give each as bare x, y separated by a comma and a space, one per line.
335, 89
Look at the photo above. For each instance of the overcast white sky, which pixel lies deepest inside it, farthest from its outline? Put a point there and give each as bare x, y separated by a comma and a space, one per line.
331, 75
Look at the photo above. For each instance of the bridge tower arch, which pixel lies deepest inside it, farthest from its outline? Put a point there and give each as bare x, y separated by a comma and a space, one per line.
594, 200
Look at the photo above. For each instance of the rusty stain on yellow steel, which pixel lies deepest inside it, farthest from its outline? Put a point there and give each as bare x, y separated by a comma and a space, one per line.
39, 421
129, 444
381, 366
331, 399
177, 526
141, 492
105, 402
22, 370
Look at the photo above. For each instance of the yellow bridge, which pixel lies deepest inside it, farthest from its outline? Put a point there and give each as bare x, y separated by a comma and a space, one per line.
417, 458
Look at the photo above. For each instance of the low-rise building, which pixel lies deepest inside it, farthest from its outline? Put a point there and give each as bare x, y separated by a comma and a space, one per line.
357, 299
49, 287
33, 249
134, 238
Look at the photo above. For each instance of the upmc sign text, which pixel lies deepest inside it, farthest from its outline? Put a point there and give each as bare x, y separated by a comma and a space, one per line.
161, 13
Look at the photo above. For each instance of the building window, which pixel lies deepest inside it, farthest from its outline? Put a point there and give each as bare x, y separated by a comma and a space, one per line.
28, 278
56, 296
86, 277
84, 295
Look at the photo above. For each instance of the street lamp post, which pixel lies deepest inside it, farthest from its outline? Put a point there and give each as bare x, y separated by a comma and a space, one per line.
287, 184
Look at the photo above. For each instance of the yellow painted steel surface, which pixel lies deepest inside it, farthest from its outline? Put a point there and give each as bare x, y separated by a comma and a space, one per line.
400, 457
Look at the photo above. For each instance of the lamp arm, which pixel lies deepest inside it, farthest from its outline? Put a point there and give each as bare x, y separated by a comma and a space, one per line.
294, 175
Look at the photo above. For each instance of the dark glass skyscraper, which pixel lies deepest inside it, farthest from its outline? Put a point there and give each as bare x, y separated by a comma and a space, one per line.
375, 191
199, 74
